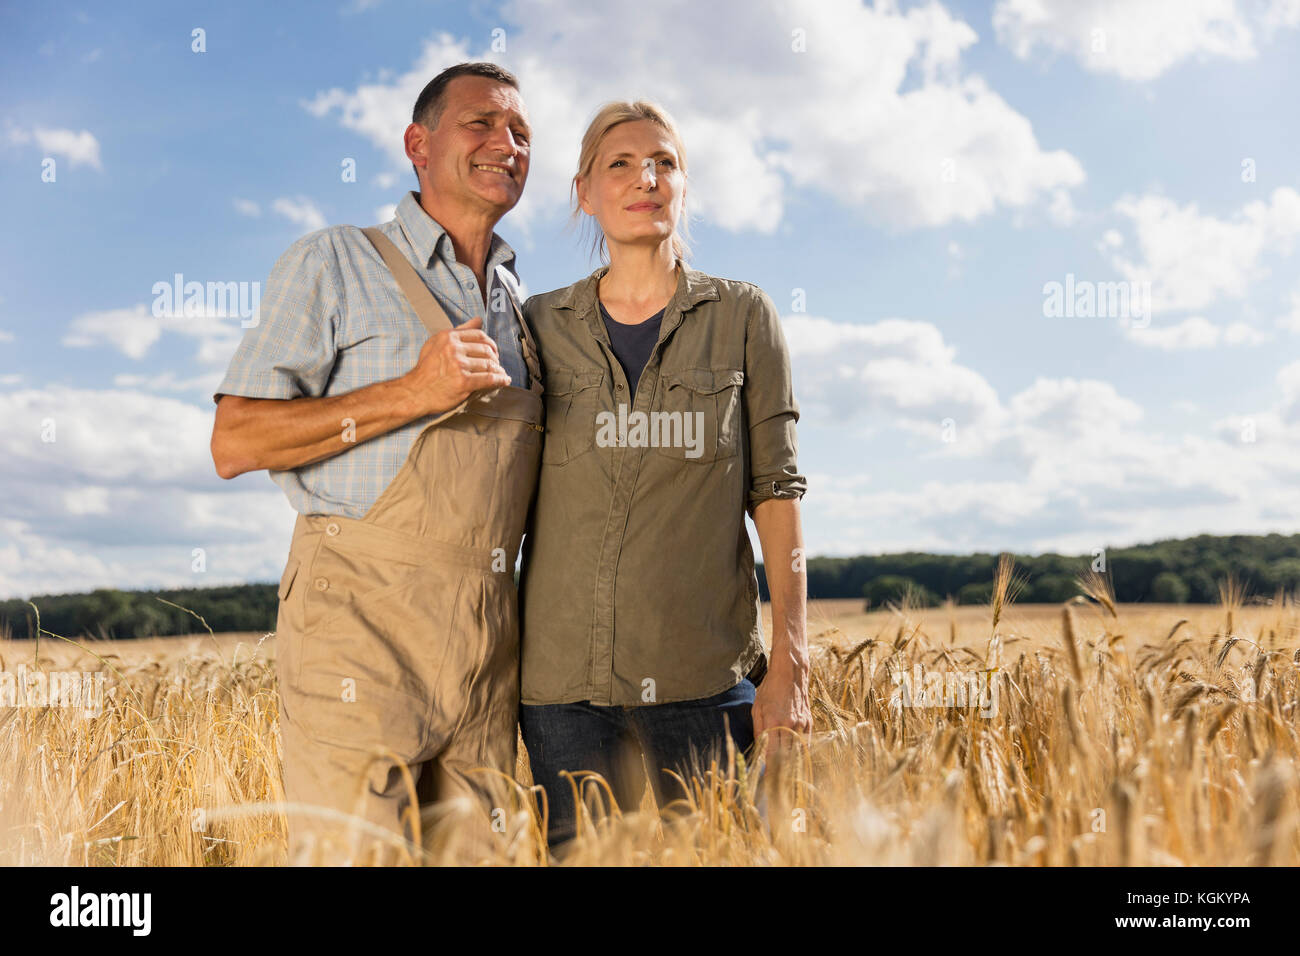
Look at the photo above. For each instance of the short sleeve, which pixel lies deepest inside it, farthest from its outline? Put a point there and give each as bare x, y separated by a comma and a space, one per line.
290, 352
770, 407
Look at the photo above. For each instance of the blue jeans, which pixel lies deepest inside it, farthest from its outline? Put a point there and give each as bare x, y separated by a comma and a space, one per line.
610, 741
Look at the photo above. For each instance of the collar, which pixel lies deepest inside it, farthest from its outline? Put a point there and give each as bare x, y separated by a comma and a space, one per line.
426, 235
693, 287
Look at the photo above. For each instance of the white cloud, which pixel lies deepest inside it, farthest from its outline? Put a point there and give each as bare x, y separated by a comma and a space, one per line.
32, 564
1064, 463
79, 148
132, 331
1082, 472
123, 494
76, 552
1242, 333
135, 330
1192, 259
1281, 14
169, 381
921, 142
246, 207
955, 256
1288, 381
6, 336
103, 436
896, 372
301, 211
1196, 332
1133, 40
86, 500
1291, 320
1061, 211
1273, 432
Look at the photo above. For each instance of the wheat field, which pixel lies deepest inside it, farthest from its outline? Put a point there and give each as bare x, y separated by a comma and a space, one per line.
1119, 735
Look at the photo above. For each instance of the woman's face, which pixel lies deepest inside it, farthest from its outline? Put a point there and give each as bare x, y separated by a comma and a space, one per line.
636, 187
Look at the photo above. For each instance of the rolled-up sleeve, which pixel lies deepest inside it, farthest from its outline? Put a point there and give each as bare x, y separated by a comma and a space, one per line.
290, 352
770, 408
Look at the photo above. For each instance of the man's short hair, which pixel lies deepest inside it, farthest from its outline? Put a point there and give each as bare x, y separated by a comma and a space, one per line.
433, 98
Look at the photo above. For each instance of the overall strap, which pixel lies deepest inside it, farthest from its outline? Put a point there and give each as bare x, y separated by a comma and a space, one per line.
531, 358
409, 281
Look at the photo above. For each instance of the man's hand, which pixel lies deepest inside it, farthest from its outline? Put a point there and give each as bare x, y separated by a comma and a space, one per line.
782, 700
249, 434
453, 365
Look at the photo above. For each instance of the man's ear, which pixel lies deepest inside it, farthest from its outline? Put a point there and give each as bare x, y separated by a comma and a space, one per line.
416, 141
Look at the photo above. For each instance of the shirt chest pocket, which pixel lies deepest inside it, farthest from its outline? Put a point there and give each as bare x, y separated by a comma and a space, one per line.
703, 414
573, 397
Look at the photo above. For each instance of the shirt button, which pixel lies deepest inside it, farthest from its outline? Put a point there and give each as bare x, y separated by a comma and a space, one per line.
469, 285
619, 387
321, 584
332, 529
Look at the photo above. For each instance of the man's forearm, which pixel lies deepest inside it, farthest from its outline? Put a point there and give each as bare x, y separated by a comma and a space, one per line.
251, 434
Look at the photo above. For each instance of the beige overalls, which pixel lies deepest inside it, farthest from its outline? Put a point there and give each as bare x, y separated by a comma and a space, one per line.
398, 632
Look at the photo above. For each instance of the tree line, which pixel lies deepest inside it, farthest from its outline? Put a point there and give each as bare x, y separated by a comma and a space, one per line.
1173, 571
1176, 571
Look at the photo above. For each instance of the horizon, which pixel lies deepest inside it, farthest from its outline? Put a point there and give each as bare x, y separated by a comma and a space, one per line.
758, 563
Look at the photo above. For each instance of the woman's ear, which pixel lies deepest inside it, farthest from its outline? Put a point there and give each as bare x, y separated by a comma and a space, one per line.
583, 203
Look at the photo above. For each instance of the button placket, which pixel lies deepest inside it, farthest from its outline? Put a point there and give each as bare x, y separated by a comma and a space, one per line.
601, 674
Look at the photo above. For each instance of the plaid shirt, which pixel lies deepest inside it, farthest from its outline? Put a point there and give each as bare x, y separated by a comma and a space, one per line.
333, 320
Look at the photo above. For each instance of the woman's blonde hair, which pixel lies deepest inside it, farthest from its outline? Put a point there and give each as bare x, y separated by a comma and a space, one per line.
606, 118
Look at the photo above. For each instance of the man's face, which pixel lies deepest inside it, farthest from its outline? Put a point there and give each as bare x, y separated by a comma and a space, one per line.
479, 151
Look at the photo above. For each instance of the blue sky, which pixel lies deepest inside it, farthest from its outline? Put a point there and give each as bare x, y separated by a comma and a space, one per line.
919, 171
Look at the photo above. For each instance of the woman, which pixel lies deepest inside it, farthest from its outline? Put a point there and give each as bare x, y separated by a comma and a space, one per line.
670, 414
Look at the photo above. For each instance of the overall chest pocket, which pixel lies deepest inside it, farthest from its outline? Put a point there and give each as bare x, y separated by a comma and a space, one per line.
573, 397
703, 414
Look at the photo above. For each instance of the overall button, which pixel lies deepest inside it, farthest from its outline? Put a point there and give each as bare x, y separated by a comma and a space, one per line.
321, 584
332, 528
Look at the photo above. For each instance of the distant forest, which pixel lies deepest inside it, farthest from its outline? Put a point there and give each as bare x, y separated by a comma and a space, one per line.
1186, 570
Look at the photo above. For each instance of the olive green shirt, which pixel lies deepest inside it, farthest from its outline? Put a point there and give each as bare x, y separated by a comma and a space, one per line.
638, 583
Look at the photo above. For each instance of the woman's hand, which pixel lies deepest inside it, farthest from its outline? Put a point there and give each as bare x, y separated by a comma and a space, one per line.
782, 700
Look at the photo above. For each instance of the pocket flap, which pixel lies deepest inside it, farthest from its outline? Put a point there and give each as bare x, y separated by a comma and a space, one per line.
566, 381
286, 579
707, 380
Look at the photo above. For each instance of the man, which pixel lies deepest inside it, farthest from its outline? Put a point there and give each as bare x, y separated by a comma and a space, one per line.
391, 389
